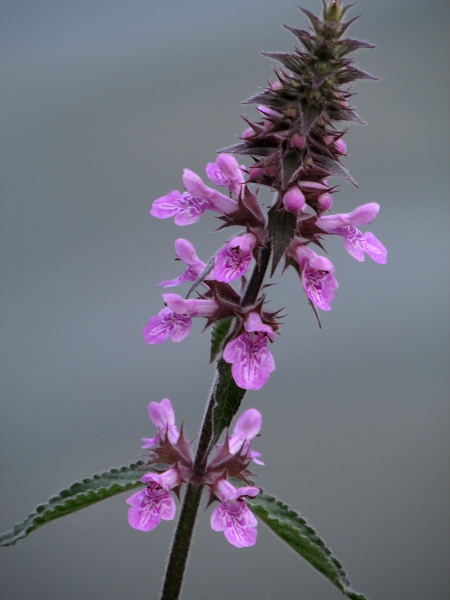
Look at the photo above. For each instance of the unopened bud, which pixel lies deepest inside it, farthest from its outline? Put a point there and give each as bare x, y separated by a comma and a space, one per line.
256, 173
294, 200
275, 85
340, 146
325, 201
298, 141
247, 133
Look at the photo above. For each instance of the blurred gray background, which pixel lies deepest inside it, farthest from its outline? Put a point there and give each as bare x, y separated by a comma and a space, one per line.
103, 104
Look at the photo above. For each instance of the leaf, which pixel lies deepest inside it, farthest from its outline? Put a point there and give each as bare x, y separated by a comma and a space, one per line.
334, 168
282, 229
228, 397
290, 61
290, 164
350, 45
80, 495
346, 115
219, 332
351, 73
301, 537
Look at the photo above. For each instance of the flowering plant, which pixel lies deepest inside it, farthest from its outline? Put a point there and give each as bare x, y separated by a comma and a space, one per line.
296, 147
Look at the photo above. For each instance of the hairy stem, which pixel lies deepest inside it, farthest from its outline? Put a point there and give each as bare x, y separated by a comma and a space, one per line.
182, 540
254, 285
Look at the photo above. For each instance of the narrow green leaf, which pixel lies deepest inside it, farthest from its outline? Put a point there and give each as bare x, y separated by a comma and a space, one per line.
219, 332
281, 228
334, 167
296, 532
80, 495
228, 397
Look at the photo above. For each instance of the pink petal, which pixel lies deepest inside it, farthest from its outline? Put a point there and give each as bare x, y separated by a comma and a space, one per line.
167, 206
186, 252
252, 491
253, 323
237, 522
251, 359
219, 518
230, 264
364, 214
162, 413
248, 425
191, 210
375, 249
354, 243
149, 506
319, 287
241, 537
166, 323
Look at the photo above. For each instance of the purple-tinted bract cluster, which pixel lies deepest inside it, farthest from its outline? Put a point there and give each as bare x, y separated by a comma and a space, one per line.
172, 466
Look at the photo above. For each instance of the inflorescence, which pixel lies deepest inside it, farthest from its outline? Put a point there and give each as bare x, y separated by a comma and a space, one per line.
296, 147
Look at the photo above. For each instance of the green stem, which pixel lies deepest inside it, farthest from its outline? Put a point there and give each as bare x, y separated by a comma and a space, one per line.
182, 540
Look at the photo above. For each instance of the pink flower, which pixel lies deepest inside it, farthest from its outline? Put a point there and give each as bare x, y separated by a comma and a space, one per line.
167, 324
153, 503
233, 516
356, 243
188, 207
248, 353
175, 320
225, 172
318, 278
163, 417
247, 427
186, 253
234, 258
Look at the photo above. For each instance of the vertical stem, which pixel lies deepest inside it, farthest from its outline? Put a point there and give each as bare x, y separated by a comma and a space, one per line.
182, 540
257, 278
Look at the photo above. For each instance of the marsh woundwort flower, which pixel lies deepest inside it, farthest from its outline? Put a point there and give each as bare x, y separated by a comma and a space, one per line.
171, 467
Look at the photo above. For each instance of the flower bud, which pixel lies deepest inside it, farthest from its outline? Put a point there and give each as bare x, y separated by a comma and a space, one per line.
247, 133
298, 141
340, 146
325, 201
294, 200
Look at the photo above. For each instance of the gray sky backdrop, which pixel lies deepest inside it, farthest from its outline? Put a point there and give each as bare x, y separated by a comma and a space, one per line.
103, 103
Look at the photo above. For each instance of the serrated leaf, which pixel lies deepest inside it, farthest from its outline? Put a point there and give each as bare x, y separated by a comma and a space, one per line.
228, 398
219, 332
301, 537
80, 495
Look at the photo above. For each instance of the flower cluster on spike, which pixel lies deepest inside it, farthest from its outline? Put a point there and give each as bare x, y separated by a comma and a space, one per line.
296, 146
172, 466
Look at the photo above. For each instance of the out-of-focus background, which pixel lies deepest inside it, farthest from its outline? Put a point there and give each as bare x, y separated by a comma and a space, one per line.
103, 103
